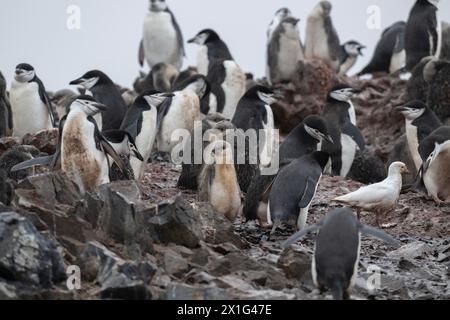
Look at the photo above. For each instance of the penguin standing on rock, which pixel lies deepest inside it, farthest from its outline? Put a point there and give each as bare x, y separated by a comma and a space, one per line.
6, 122
294, 189
105, 92
389, 55
211, 48
420, 121
31, 107
142, 123
423, 34
284, 51
305, 139
340, 115
162, 38
337, 251
322, 40
349, 54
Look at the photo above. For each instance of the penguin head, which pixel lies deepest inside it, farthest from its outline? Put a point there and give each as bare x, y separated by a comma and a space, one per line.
321, 10
434, 2
90, 79
353, 48
220, 150
283, 13
158, 5
398, 168
198, 84
317, 128
322, 158
412, 110
342, 93
263, 94
290, 27
88, 105
204, 36
24, 73
153, 98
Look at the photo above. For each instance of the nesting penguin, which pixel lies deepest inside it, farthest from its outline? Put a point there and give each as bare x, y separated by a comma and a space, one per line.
435, 171
378, 197
32, 110
305, 139
284, 51
6, 122
83, 149
340, 115
350, 51
162, 39
420, 121
218, 183
142, 123
322, 40
105, 92
211, 48
181, 111
337, 251
280, 15
437, 75
389, 55
228, 85
423, 34
294, 189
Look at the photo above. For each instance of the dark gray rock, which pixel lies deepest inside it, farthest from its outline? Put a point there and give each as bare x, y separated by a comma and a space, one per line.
178, 291
295, 263
26, 255
16, 155
175, 264
6, 188
45, 140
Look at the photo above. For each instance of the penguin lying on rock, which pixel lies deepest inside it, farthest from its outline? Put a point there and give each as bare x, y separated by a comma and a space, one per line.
337, 251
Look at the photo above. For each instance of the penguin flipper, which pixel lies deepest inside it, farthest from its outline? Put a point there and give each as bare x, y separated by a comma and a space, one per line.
41, 161
178, 32
308, 193
46, 100
380, 234
141, 54
352, 131
300, 234
163, 109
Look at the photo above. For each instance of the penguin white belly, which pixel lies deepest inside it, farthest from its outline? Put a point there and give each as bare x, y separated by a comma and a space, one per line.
313, 269
355, 267
144, 142
413, 144
348, 152
269, 139
289, 55
80, 159
437, 177
212, 103
99, 119
202, 60
233, 87
225, 194
30, 115
398, 61
352, 113
183, 112
160, 40
437, 54
317, 44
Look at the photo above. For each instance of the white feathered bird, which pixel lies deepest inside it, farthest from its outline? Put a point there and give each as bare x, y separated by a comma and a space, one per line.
379, 197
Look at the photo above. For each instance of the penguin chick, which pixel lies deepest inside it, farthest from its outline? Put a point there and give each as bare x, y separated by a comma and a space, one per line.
420, 121
349, 54
379, 197
437, 74
337, 251
417, 87
218, 182
280, 15
294, 189
161, 78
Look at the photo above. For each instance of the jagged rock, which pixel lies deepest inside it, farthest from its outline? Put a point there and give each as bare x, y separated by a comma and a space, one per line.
174, 263
174, 222
295, 263
178, 291
6, 188
412, 251
26, 255
233, 282
45, 140
16, 155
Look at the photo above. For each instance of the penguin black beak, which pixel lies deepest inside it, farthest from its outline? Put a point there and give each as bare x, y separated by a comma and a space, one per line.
328, 139
100, 106
400, 109
77, 81
137, 154
191, 40
278, 96
360, 50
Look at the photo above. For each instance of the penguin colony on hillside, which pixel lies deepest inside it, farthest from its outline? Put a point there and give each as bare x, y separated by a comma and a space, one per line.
99, 132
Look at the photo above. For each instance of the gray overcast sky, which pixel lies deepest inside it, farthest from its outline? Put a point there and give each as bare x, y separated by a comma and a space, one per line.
35, 32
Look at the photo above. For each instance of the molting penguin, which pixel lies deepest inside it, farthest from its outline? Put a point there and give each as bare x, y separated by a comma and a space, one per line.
339, 113
304, 139
218, 182
294, 189
437, 75
284, 51
280, 15
349, 54
322, 40
417, 87
6, 122
423, 34
142, 123
420, 121
389, 55
211, 48
228, 85
181, 111
83, 149
337, 250
435, 171
162, 38
161, 78
105, 92
31, 107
